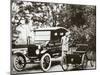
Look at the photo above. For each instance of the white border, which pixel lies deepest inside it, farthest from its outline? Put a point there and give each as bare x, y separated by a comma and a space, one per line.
82, 2
5, 37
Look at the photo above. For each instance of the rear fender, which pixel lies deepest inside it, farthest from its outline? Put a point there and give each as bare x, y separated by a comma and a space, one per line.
21, 50
19, 54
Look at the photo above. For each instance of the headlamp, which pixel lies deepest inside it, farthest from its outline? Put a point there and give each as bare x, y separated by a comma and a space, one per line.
37, 51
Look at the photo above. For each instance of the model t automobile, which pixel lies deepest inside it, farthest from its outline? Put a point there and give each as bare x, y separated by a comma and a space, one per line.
45, 49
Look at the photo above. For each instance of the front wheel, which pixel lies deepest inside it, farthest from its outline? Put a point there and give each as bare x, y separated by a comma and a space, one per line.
19, 62
64, 64
45, 62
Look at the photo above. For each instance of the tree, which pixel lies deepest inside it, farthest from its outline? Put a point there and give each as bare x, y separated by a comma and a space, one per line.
80, 19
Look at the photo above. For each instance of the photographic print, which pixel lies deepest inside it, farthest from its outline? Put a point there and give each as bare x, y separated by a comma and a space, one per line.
52, 37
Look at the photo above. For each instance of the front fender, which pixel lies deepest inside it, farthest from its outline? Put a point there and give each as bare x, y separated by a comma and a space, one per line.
43, 51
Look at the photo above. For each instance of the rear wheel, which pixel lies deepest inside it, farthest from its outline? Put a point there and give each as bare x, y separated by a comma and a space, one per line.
19, 62
45, 62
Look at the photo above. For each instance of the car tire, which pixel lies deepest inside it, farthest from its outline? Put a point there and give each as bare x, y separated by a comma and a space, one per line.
64, 64
19, 62
45, 62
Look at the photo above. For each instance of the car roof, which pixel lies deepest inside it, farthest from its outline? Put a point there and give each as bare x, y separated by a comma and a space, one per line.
50, 28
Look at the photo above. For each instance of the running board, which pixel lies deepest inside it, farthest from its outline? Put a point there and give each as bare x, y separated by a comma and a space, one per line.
56, 59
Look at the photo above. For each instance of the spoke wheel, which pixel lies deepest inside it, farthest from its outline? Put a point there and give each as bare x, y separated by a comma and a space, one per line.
45, 62
19, 62
64, 64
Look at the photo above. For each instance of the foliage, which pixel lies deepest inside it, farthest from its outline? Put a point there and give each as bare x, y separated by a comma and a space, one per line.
80, 19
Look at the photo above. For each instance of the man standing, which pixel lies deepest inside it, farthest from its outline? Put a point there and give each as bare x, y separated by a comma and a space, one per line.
65, 49
65, 43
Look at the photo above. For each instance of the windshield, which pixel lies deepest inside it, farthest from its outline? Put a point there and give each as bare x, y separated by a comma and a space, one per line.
57, 34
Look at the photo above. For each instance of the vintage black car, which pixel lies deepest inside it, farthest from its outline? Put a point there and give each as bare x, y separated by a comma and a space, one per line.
45, 49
